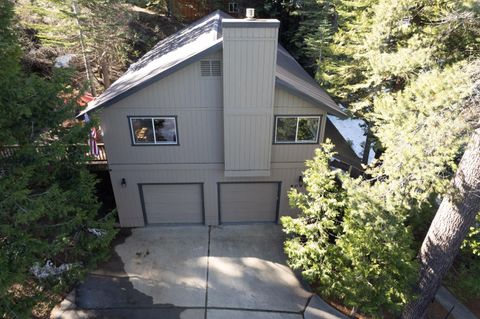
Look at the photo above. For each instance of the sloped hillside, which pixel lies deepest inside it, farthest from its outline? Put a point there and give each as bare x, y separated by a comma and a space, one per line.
110, 42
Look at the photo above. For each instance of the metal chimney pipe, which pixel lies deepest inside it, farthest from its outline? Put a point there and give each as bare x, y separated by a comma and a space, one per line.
250, 14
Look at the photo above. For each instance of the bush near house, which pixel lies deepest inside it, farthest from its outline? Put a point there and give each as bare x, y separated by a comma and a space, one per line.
347, 241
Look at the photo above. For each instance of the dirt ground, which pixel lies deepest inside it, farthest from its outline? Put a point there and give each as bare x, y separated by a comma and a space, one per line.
435, 311
474, 306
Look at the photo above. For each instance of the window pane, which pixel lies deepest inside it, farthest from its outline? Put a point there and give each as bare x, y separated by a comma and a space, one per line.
142, 131
307, 130
286, 128
165, 130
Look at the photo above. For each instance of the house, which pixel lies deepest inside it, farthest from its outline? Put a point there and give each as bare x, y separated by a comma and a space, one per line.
188, 10
212, 126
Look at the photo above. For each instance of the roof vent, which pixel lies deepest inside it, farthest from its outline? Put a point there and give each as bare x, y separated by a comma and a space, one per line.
250, 13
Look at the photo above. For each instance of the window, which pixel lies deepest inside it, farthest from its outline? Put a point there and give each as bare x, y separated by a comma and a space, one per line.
154, 130
297, 129
233, 7
211, 68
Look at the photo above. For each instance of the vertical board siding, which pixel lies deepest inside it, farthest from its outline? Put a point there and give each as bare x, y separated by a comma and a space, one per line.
203, 130
184, 88
197, 134
197, 103
198, 144
289, 104
200, 118
128, 198
249, 59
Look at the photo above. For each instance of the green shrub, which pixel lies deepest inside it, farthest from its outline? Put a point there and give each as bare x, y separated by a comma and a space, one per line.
348, 241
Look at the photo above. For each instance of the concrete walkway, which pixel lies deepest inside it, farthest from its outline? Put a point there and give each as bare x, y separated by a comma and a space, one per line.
196, 272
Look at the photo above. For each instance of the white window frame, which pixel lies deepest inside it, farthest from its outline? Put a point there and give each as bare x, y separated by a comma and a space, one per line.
298, 117
153, 118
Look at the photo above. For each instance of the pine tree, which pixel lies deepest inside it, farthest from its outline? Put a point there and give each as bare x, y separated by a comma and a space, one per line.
448, 230
96, 29
407, 68
424, 119
347, 240
48, 208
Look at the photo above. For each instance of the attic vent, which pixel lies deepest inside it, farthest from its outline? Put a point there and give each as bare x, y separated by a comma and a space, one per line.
216, 68
211, 68
205, 68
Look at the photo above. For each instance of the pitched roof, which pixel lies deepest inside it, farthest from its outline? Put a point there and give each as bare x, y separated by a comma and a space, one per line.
194, 42
342, 147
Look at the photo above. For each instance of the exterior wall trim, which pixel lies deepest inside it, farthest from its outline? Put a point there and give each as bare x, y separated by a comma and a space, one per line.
142, 201
277, 212
192, 166
253, 23
247, 173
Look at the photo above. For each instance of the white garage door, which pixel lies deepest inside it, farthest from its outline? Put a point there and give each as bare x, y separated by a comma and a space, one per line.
248, 202
172, 203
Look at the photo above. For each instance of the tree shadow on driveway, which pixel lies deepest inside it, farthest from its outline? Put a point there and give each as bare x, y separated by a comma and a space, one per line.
108, 292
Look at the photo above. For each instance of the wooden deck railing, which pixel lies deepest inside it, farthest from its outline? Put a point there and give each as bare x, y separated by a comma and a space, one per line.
8, 151
351, 169
102, 155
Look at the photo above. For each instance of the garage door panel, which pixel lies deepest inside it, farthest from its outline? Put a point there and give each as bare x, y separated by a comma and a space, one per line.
256, 193
248, 202
173, 203
265, 205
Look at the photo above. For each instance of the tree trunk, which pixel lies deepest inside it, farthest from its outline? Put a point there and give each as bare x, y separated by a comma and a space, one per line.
366, 148
105, 66
88, 68
449, 227
170, 8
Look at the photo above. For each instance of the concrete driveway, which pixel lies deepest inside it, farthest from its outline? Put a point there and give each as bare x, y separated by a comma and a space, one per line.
193, 272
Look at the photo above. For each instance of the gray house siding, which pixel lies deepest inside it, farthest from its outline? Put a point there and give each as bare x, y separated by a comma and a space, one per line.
129, 202
249, 59
289, 104
197, 102
200, 121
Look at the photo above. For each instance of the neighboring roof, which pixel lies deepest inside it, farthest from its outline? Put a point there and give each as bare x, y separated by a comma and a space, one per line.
194, 42
343, 149
86, 98
353, 131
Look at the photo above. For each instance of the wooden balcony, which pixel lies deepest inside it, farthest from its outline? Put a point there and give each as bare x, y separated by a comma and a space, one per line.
102, 156
99, 161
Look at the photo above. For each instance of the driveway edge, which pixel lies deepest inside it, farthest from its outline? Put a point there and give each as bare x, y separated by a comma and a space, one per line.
317, 308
